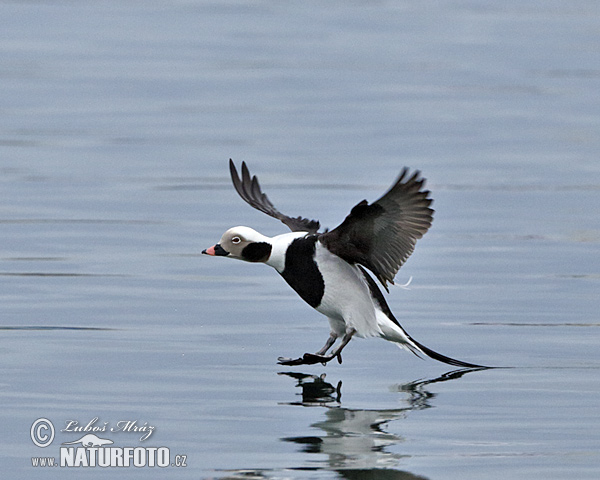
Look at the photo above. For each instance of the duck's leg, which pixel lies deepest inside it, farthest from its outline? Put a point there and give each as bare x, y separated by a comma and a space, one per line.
330, 341
312, 358
300, 361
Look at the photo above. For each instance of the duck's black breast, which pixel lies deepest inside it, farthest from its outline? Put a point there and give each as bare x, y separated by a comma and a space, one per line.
301, 271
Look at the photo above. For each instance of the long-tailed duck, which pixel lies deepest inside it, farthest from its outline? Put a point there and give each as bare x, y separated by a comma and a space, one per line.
328, 270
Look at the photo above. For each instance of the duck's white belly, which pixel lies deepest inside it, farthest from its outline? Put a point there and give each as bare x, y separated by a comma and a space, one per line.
346, 300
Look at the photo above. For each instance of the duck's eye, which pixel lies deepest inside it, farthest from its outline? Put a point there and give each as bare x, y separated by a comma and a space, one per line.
236, 240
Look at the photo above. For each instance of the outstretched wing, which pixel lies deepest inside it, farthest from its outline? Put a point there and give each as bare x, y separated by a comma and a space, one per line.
249, 189
381, 236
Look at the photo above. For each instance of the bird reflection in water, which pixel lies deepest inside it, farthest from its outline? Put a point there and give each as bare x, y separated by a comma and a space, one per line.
315, 390
355, 440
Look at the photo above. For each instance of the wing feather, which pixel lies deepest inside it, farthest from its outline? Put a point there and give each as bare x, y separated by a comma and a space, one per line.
249, 189
381, 236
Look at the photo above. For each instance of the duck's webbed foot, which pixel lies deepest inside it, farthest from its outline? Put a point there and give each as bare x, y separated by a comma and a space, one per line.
309, 359
320, 357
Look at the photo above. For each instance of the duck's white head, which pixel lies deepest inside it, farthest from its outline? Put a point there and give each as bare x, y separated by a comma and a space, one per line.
242, 243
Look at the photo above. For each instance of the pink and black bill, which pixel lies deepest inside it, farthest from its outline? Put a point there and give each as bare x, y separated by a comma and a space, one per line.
216, 251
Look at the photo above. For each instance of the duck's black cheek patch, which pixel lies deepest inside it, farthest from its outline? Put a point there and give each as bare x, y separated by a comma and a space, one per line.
257, 252
301, 271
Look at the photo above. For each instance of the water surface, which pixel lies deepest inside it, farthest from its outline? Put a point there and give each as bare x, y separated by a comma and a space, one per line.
116, 123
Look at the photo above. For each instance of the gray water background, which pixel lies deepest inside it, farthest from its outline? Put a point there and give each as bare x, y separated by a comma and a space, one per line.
116, 123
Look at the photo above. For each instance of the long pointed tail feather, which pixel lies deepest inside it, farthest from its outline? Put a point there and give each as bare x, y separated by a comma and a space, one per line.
441, 358
394, 332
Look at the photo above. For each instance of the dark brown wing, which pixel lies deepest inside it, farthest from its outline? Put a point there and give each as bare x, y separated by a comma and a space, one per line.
249, 189
381, 236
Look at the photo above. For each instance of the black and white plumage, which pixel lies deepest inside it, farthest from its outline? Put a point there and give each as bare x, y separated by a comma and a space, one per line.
329, 270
